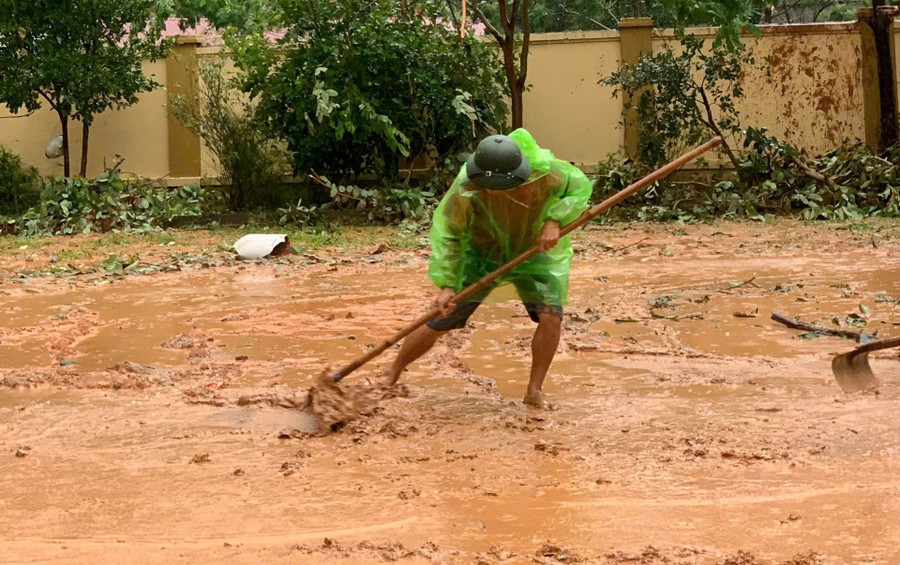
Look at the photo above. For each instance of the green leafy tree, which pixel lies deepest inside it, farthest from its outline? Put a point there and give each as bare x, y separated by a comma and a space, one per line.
81, 57
359, 84
684, 95
236, 15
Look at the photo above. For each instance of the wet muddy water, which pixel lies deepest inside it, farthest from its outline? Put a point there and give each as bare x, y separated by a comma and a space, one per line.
690, 426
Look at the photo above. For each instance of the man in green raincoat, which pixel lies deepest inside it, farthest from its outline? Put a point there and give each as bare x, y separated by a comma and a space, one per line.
509, 196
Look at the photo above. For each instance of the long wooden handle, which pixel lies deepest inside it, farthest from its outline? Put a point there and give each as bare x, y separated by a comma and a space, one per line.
876, 345
489, 279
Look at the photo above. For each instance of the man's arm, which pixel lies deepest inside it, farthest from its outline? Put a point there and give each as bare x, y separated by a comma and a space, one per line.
564, 206
569, 201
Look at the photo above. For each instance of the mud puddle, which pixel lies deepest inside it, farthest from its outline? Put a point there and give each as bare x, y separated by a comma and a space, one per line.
680, 427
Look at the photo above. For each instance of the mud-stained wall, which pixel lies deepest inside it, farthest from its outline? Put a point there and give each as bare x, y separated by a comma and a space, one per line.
806, 86
138, 133
566, 110
810, 92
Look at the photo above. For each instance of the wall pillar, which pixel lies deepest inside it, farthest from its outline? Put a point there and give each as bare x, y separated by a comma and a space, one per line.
636, 38
182, 80
879, 77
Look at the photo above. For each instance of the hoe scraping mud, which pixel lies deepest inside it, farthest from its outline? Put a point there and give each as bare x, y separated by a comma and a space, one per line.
852, 369
334, 405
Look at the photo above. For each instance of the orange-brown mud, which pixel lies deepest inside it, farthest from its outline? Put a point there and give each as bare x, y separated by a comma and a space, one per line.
159, 417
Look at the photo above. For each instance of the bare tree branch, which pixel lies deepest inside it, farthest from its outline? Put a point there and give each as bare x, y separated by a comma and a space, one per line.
504, 19
453, 14
526, 40
487, 23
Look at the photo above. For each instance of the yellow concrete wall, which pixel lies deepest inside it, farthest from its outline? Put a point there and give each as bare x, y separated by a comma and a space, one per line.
811, 97
807, 87
566, 110
138, 133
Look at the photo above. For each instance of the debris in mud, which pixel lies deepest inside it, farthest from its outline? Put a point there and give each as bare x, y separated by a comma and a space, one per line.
195, 341
805, 558
152, 375
549, 447
288, 468
495, 554
748, 313
238, 472
204, 396
371, 552
281, 396
335, 405
740, 558
23, 451
551, 553
200, 458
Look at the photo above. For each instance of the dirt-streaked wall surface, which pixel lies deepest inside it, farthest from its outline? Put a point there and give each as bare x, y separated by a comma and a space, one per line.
566, 109
810, 90
805, 86
138, 133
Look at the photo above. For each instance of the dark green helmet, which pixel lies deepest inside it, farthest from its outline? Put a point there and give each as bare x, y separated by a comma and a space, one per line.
498, 164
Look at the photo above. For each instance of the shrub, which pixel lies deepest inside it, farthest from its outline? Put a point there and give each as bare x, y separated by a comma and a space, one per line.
251, 164
20, 186
359, 84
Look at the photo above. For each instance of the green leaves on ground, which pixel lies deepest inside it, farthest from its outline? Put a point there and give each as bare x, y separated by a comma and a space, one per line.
108, 203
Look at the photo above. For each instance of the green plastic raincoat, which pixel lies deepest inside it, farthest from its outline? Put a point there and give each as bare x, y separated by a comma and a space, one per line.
475, 231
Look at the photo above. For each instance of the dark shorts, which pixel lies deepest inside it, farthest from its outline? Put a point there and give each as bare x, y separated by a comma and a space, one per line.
527, 288
460, 315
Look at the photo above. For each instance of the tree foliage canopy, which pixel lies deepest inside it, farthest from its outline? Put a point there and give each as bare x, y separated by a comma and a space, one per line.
358, 84
81, 57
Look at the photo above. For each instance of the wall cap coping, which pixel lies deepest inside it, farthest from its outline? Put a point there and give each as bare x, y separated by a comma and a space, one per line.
573, 37
771, 29
189, 40
635, 22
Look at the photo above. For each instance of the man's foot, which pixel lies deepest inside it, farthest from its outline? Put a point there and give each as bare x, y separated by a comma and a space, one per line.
537, 399
389, 379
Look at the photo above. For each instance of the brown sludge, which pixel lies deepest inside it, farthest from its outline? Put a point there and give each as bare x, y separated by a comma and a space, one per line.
169, 418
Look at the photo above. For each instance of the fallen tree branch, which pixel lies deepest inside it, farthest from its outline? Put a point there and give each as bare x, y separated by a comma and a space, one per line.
812, 173
797, 325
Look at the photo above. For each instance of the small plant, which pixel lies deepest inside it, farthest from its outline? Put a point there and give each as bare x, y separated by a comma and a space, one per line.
20, 186
684, 95
300, 215
251, 163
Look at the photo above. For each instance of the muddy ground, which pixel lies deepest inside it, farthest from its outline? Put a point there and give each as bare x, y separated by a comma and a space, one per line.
149, 410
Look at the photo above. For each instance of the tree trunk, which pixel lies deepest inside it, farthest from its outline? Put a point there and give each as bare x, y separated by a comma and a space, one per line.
881, 25
635, 8
86, 129
512, 81
64, 122
516, 104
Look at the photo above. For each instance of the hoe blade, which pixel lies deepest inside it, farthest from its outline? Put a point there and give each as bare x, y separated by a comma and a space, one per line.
852, 371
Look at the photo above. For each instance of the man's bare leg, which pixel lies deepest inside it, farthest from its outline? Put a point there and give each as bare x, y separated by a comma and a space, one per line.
414, 346
543, 349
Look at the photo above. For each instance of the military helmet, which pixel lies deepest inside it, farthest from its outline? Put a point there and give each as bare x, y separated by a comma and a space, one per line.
498, 164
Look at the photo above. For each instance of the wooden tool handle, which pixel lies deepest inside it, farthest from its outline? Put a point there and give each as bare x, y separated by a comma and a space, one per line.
489, 279
876, 345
